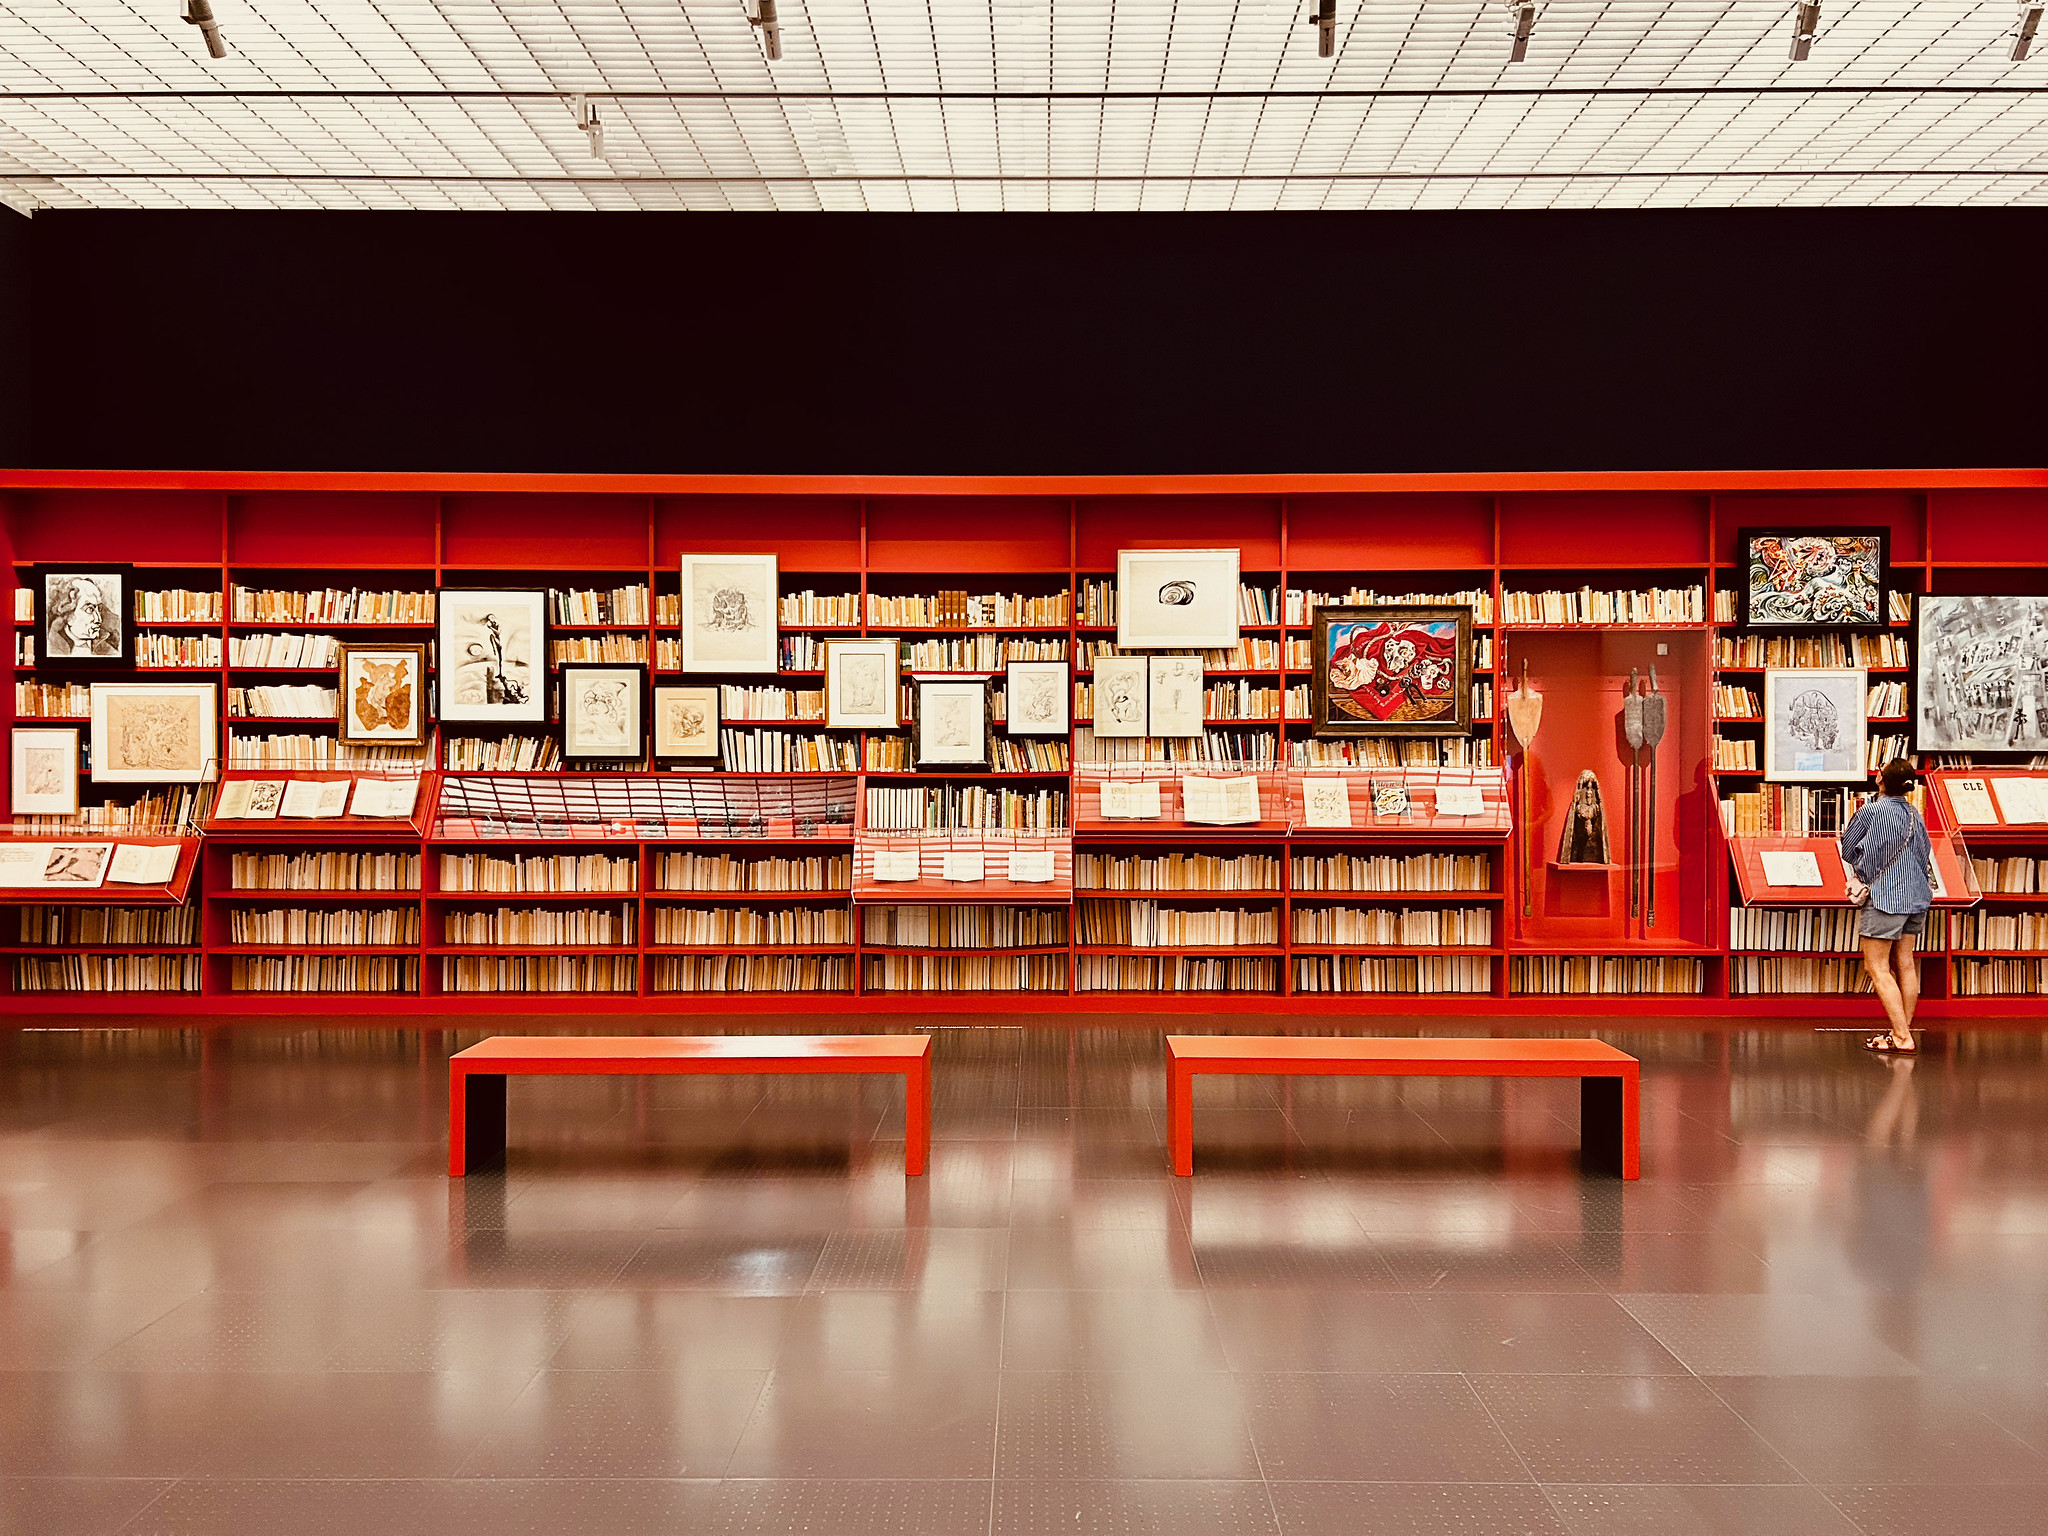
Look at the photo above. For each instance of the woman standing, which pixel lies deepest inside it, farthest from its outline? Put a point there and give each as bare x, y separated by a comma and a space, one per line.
1885, 849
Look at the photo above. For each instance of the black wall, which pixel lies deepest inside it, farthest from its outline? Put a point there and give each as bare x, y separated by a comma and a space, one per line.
1035, 343
15, 309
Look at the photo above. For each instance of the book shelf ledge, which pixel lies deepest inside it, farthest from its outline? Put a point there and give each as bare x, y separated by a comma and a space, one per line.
314, 949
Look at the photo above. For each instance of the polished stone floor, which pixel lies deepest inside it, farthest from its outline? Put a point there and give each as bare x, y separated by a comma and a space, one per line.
237, 1294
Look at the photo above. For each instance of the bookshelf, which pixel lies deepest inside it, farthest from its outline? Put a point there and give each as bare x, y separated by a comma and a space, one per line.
963, 576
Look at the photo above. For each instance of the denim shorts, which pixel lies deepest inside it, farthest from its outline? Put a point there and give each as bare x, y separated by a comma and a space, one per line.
1890, 925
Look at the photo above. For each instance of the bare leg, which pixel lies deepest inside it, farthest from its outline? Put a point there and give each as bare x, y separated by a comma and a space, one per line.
1898, 1113
1906, 964
1877, 961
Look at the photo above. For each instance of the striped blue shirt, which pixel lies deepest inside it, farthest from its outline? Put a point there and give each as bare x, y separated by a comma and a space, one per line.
1888, 831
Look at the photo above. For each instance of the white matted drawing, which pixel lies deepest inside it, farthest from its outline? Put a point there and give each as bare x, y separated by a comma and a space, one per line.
1120, 695
153, 733
493, 657
1036, 698
1814, 727
45, 776
1176, 696
1176, 597
685, 722
862, 687
730, 605
601, 710
952, 723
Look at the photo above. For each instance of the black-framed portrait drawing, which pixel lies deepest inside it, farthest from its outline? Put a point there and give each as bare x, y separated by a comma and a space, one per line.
44, 781
1815, 727
383, 694
1980, 680
82, 614
685, 722
1037, 698
1808, 578
952, 723
1181, 598
731, 607
153, 733
492, 658
601, 709
1385, 670
862, 685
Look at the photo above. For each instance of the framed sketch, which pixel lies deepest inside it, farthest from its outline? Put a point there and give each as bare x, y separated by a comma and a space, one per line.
82, 614
1392, 671
1037, 698
493, 656
685, 722
383, 694
952, 723
1981, 674
1176, 597
45, 777
1805, 578
1176, 696
862, 687
601, 704
1814, 727
153, 733
730, 607
1120, 695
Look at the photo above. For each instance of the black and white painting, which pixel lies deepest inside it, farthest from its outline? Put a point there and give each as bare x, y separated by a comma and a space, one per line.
952, 723
685, 722
862, 690
730, 605
601, 710
1176, 597
1176, 696
82, 615
1036, 698
1814, 726
45, 777
153, 733
1120, 685
492, 656
1982, 674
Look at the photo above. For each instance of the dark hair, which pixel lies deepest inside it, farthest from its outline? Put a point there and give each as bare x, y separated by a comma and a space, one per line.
1898, 776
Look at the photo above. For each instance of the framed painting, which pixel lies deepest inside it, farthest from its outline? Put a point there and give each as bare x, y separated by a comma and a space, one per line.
1174, 694
153, 733
1814, 726
82, 614
1182, 598
1120, 695
44, 781
685, 722
1037, 698
952, 723
1980, 680
862, 685
383, 694
730, 605
601, 710
1809, 578
1392, 671
493, 659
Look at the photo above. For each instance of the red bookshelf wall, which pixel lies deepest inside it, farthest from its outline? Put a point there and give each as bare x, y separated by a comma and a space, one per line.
1951, 532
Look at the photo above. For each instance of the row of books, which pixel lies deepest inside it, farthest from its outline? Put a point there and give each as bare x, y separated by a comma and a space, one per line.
1392, 872
108, 925
965, 610
1393, 752
1735, 754
108, 973
166, 607
1234, 748
1302, 604
739, 702
501, 754
1420, 926
840, 611
304, 701
1176, 872
1606, 975
1732, 703
324, 973
1885, 701
822, 873
965, 973
324, 871
550, 872
1175, 973
1590, 605
1830, 930
916, 927
2011, 877
1420, 974
48, 700
965, 805
619, 649
754, 927
1797, 809
532, 927
762, 751
324, 925
540, 973
753, 973
975, 653
1148, 925
1007, 754
1248, 655
291, 648
331, 605
2000, 930
588, 605
245, 751
154, 810
159, 649
1999, 978
1796, 976
1828, 650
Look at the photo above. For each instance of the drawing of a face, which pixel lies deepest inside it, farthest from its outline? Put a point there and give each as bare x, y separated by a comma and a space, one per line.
862, 679
685, 720
1814, 723
44, 770
729, 611
601, 712
81, 621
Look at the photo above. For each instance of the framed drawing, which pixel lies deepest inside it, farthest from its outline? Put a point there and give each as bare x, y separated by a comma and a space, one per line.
601, 703
1392, 671
153, 733
685, 722
1980, 674
383, 694
952, 723
862, 687
1803, 578
1814, 726
45, 777
1176, 696
730, 605
493, 656
1176, 597
82, 614
1037, 698
1120, 695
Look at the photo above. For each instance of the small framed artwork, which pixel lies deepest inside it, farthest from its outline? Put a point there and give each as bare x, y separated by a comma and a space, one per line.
730, 610
1120, 695
1176, 597
952, 723
45, 777
82, 614
1805, 578
685, 722
601, 703
383, 694
1392, 671
861, 685
493, 656
153, 733
1814, 727
1037, 698
1176, 702
1980, 680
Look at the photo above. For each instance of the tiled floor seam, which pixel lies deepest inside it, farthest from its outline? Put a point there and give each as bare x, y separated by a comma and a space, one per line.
1515, 1450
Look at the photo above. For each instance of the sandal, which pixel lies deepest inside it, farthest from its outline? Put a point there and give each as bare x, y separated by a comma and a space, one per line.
1885, 1045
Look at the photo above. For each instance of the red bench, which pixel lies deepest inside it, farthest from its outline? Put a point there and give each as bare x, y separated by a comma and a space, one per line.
476, 1077
1609, 1080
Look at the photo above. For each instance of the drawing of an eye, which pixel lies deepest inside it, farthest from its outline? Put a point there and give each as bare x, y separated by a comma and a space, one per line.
1177, 594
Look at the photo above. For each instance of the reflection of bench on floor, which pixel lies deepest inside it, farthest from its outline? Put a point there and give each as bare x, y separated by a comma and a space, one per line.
1609, 1080
476, 1077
